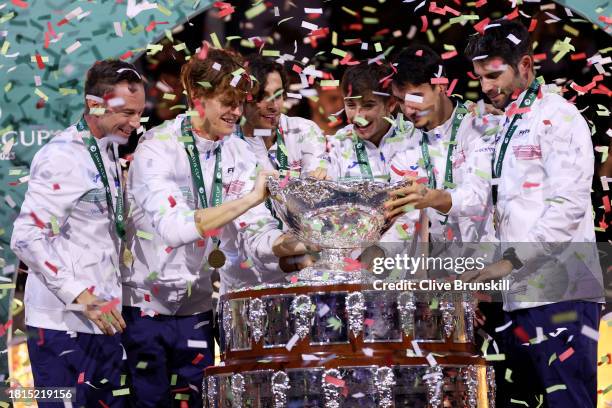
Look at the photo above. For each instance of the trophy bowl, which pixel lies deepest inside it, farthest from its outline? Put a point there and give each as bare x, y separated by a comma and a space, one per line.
336, 216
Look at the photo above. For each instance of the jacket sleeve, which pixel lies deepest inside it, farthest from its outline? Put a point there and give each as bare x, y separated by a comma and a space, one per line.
567, 154
473, 196
153, 187
314, 154
256, 230
54, 188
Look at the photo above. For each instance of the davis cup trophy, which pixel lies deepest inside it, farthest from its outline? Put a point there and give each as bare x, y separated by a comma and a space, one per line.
330, 339
337, 217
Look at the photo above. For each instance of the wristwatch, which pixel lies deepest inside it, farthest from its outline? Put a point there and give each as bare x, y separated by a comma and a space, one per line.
510, 255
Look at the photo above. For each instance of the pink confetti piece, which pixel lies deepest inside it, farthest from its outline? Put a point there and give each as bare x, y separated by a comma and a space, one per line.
81, 378
451, 88
566, 354
441, 80
527, 184
172, 201
20, 4
335, 381
425, 24
108, 306
293, 279
212, 233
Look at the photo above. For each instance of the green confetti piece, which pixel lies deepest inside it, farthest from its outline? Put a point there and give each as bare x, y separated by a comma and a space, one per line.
338, 52
360, 121
163, 10
521, 402
7, 286
330, 82
215, 40
144, 235
152, 276
377, 46
142, 365
182, 397
348, 10
408, 208
334, 323
448, 184
255, 11
188, 289
508, 375
173, 379
552, 358
570, 316
495, 357
54, 226
121, 391
557, 387
122, 379
103, 381
270, 53
434, 304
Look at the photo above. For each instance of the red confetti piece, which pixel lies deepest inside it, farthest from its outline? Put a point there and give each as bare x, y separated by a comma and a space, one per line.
91, 289
513, 15
425, 23
56, 187
334, 381
451, 88
449, 234
576, 57
521, 334
198, 105
449, 55
566, 354
39, 61
108, 306
168, 249
351, 265
212, 233
62, 22
225, 12
20, 4
197, 359
51, 266
480, 3
368, 322
527, 184
151, 26
147, 297
422, 180
126, 55
102, 404
200, 243
41, 337
606, 203
479, 27
533, 24
540, 57
172, 201
81, 378
294, 279
441, 80
47, 40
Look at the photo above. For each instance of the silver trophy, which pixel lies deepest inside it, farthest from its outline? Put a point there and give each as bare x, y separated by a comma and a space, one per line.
337, 216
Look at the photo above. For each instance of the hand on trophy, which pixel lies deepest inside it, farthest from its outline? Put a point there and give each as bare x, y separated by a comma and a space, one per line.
319, 174
260, 189
293, 254
416, 196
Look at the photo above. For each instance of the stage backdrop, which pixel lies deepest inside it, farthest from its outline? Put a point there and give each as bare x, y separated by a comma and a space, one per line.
46, 47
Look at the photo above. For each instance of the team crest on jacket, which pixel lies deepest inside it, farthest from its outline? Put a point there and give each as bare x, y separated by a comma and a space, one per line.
527, 152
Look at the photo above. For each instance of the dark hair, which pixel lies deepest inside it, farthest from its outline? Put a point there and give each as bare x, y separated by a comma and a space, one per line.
364, 78
200, 69
259, 67
494, 42
103, 75
416, 65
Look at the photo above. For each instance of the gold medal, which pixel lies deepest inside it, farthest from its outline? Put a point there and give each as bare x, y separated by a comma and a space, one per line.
216, 258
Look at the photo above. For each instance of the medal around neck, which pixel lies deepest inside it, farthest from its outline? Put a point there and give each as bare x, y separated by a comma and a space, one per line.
337, 216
